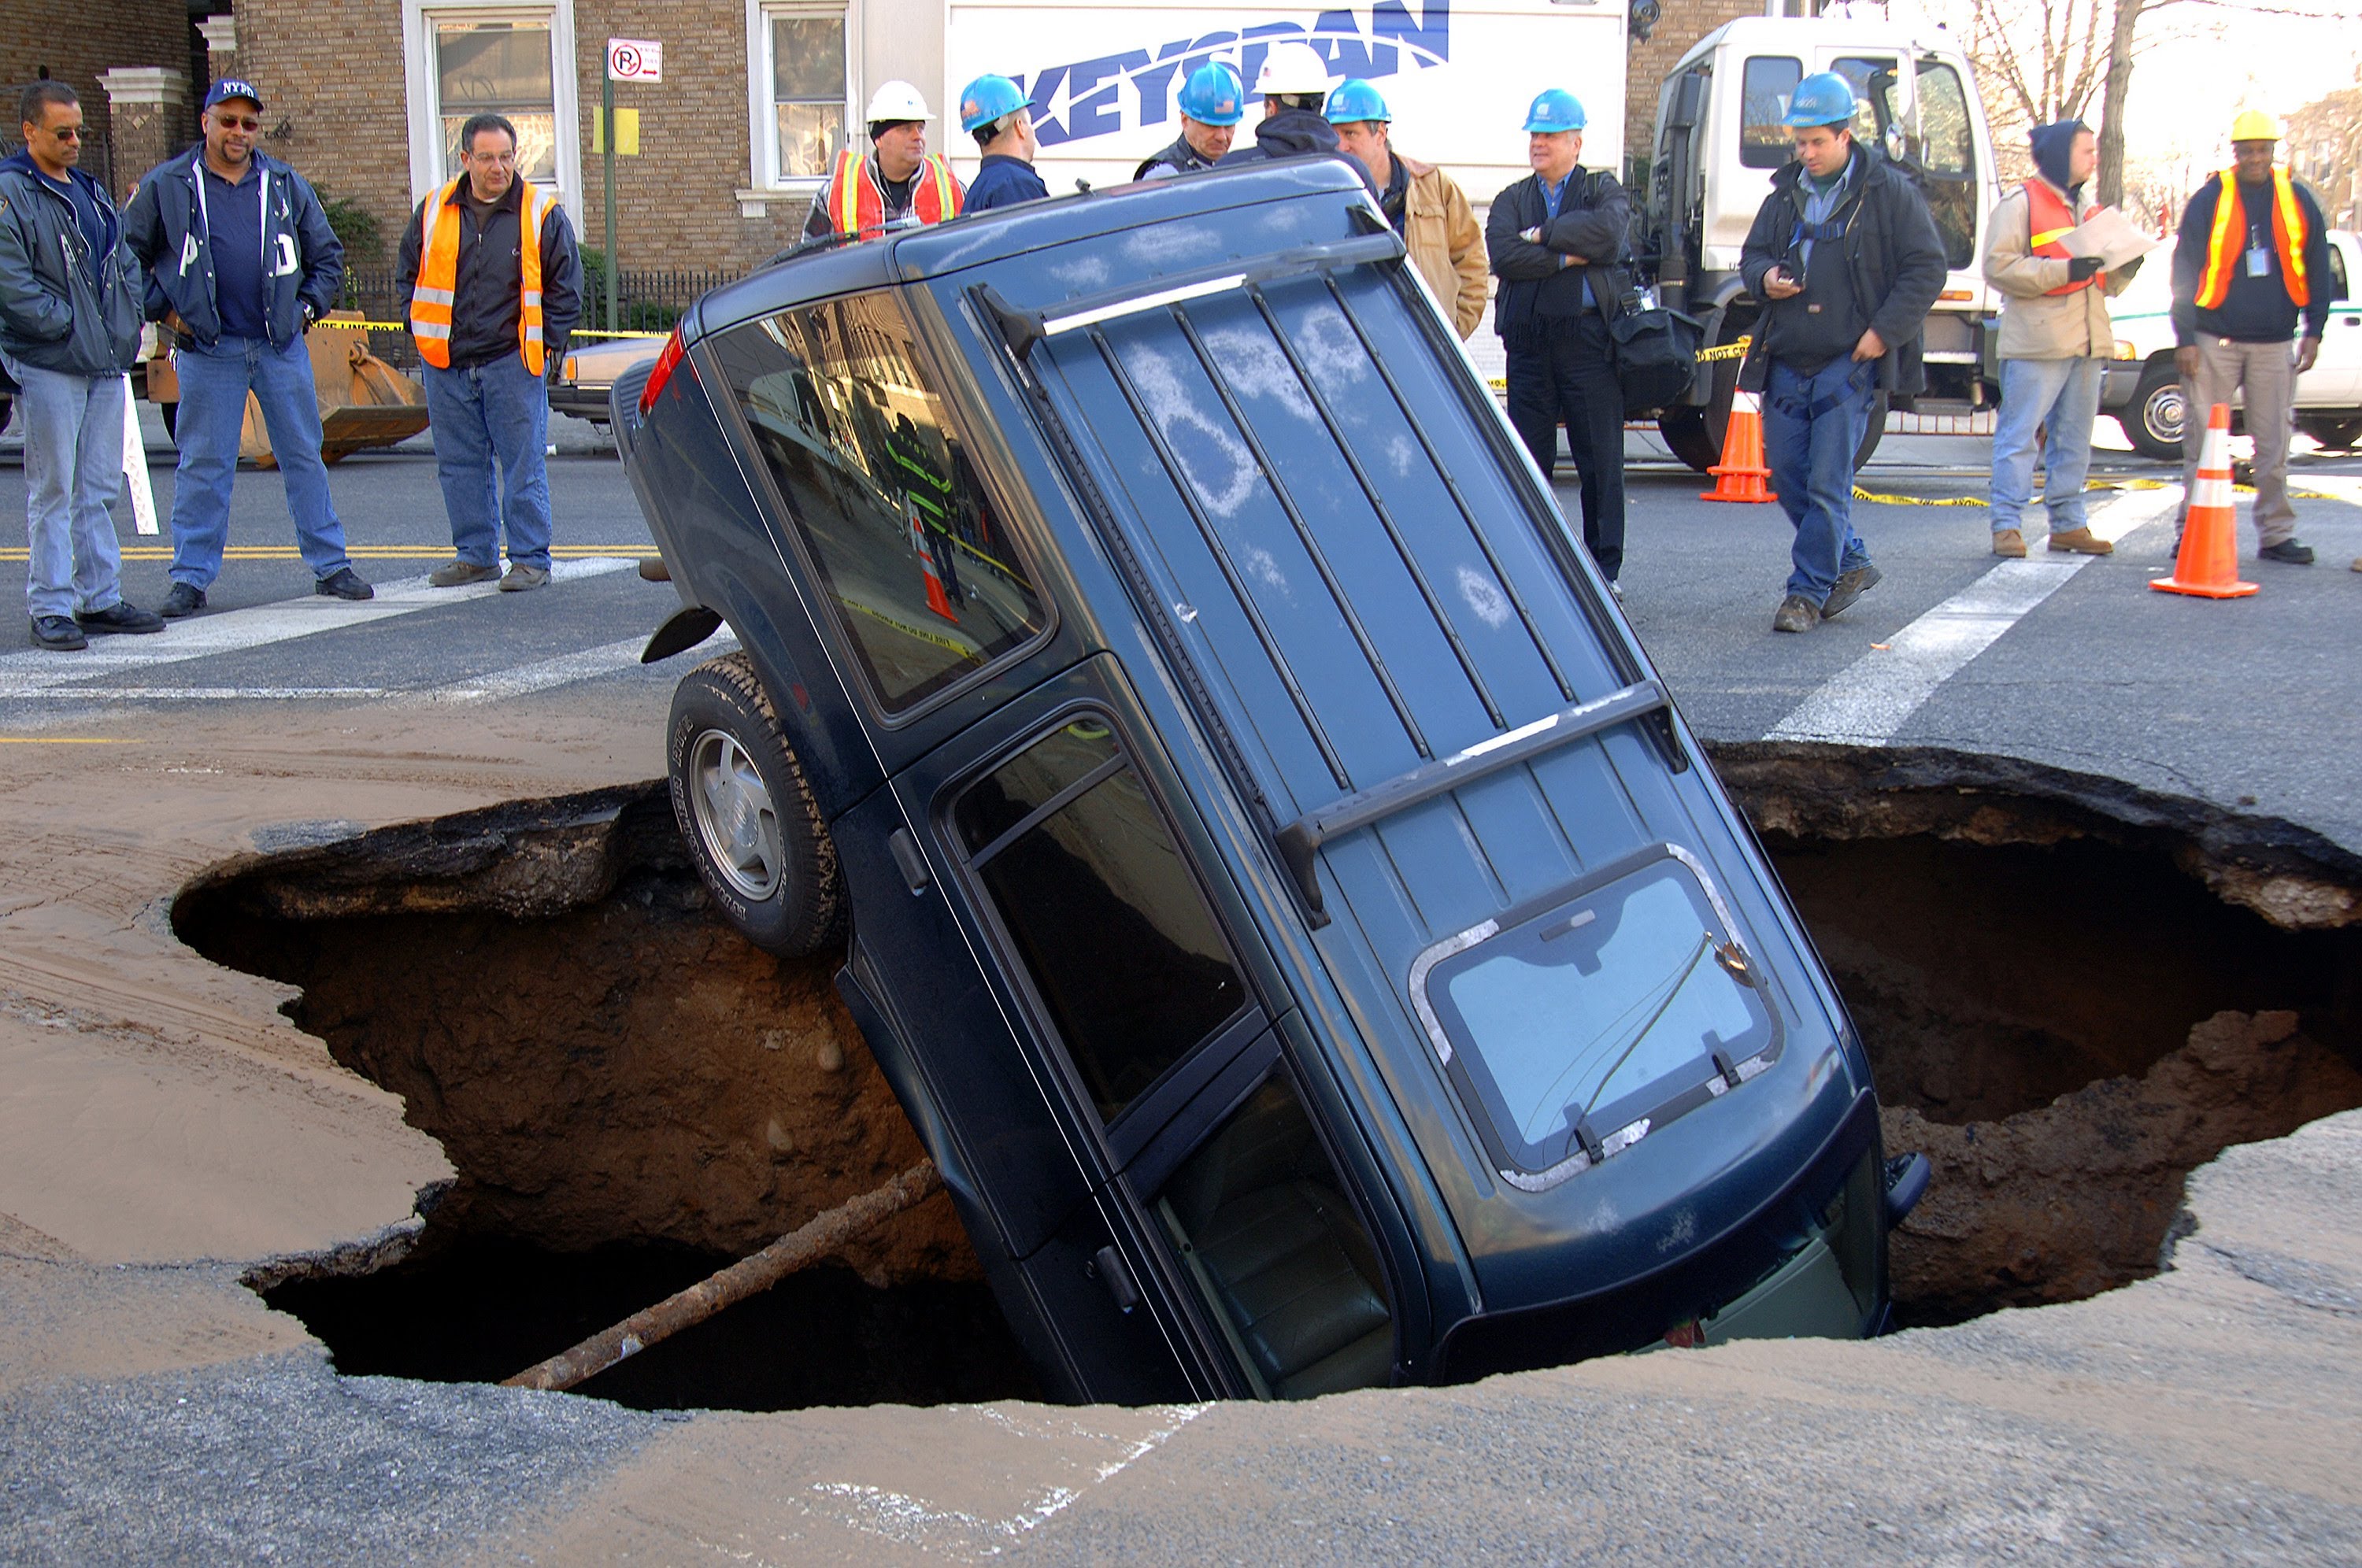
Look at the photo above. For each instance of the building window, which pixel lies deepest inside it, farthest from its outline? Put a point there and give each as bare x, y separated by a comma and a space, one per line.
511, 58
498, 67
800, 76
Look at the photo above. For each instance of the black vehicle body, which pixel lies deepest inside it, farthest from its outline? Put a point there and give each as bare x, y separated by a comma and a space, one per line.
1261, 735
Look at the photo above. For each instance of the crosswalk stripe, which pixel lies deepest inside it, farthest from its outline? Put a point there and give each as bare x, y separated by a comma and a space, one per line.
563, 670
1869, 700
357, 552
41, 672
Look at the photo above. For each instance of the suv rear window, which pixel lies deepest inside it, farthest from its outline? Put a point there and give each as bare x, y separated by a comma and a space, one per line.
922, 577
1575, 1029
1093, 891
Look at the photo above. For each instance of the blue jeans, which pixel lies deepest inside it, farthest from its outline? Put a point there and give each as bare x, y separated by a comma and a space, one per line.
1812, 428
73, 456
214, 379
491, 435
2061, 396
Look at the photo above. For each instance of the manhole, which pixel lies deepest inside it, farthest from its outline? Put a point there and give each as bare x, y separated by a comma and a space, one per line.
2074, 993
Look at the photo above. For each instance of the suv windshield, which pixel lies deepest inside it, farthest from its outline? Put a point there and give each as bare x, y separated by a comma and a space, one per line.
1578, 1027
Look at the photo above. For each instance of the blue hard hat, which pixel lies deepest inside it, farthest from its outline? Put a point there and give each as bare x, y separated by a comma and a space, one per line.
1214, 95
1353, 100
1555, 109
987, 98
1823, 98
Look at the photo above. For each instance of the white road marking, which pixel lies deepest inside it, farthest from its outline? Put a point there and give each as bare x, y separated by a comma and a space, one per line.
563, 670
1870, 699
38, 672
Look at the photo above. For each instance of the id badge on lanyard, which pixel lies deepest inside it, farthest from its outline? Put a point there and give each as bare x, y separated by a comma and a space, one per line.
2259, 254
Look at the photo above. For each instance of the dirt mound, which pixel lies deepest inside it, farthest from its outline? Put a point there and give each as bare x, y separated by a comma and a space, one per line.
2080, 1196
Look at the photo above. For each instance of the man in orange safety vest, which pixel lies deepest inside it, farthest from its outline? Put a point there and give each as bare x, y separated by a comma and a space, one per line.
491, 286
899, 185
2250, 272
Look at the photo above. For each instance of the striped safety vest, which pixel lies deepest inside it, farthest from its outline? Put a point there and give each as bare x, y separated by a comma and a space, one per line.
856, 206
2051, 221
2224, 245
438, 276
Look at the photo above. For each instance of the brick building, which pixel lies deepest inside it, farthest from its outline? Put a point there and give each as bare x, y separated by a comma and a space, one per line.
754, 95
132, 72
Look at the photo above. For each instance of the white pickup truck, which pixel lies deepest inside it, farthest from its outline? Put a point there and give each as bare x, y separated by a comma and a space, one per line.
2144, 392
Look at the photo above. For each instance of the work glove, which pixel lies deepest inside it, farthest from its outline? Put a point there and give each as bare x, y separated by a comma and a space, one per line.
2082, 267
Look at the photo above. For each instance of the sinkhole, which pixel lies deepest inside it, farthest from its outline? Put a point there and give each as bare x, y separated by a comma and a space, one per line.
2072, 992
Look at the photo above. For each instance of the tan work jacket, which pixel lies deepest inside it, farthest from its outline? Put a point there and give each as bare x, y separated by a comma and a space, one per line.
2034, 323
1445, 245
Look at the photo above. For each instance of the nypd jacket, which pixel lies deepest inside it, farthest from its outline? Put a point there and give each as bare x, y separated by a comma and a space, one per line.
166, 233
52, 314
1894, 268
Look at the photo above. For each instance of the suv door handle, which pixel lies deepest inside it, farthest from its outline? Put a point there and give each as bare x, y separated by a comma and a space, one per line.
1107, 1264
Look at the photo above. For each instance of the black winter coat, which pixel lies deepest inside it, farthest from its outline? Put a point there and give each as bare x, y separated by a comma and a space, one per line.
1895, 256
50, 313
1537, 285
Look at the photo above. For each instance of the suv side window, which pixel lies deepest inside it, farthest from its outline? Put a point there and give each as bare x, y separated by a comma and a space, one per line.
1264, 1228
922, 576
1119, 940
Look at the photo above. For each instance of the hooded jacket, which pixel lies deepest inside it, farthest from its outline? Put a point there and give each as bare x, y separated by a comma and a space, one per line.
1296, 133
306, 261
52, 314
1894, 261
2034, 323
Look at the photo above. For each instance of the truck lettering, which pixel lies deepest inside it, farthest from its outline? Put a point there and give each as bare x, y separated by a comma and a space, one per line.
1114, 93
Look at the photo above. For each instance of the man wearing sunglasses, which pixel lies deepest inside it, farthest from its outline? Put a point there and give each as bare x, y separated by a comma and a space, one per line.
240, 262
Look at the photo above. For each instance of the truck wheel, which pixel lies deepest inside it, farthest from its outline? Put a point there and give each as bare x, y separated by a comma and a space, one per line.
1695, 435
747, 813
2337, 435
2153, 420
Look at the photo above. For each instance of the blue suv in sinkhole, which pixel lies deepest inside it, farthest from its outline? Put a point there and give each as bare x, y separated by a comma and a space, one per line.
1277, 887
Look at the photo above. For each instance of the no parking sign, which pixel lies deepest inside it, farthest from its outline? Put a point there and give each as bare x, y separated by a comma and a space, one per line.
634, 60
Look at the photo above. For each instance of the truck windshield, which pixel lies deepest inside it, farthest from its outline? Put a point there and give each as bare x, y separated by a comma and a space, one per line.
1583, 1020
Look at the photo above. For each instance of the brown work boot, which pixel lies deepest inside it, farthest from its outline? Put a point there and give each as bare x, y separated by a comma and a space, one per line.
2009, 542
2079, 542
459, 574
1796, 614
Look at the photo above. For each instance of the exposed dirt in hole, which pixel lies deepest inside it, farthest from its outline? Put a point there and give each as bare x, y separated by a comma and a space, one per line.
2073, 993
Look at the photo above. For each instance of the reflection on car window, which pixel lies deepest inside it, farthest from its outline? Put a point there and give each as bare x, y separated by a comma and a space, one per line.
1110, 924
919, 570
1585, 1012
1281, 1259
1763, 138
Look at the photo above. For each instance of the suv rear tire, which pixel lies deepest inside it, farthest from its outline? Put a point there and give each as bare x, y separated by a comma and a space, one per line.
747, 812
1695, 435
2154, 419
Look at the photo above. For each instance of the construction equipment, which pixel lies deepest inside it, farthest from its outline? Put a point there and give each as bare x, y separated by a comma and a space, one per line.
364, 402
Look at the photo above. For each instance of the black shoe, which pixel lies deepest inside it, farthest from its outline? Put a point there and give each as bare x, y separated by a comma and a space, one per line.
1851, 585
182, 600
120, 617
344, 583
2288, 552
58, 634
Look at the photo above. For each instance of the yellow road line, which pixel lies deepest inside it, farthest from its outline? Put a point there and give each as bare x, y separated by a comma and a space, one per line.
359, 552
63, 740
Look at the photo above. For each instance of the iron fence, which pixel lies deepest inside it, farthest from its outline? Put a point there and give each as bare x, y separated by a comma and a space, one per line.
646, 301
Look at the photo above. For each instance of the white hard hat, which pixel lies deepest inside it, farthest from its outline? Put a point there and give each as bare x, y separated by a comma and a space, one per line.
1291, 68
897, 101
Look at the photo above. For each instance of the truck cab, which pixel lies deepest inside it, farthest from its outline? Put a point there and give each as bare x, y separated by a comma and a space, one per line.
1286, 903
1716, 142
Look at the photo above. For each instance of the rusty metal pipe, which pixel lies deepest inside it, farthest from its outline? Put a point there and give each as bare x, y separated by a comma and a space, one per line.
813, 1240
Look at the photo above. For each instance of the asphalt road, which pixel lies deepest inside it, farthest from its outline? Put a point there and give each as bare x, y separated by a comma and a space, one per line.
2247, 703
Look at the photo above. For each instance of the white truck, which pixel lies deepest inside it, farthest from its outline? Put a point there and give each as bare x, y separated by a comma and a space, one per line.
1718, 140
1456, 74
2143, 389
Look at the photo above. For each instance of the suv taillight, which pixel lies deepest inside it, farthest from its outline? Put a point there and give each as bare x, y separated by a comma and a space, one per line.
660, 372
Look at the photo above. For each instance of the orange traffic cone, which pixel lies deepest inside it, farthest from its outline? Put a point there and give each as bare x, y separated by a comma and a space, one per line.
937, 600
2208, 565
1740, 474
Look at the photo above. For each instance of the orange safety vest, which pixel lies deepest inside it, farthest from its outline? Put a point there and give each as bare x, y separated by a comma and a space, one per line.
858, 206
2051, 221
438, 277
2230, 238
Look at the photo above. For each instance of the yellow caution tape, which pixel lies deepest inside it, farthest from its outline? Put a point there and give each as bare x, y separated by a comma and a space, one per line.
1734, 349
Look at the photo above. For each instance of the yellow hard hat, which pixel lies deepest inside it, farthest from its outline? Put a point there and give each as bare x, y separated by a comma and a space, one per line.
2254, 125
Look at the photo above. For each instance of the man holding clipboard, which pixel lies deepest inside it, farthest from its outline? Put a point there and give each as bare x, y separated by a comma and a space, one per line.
2048, 250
